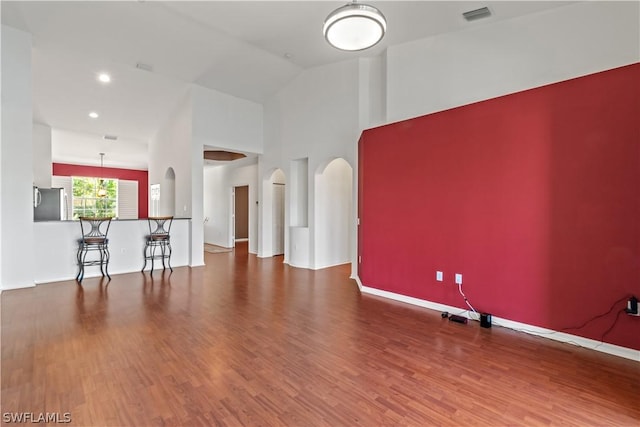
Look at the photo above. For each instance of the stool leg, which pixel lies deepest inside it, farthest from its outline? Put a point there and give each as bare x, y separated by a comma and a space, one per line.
85, 251
144, 254
107, 257
80, 265
101, 251
153, 255
169, 257
162, 252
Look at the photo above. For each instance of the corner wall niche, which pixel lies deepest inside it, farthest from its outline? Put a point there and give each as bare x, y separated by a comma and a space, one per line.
299, 193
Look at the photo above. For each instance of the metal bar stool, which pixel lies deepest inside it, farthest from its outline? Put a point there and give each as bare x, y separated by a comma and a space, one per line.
94, 238
159, 237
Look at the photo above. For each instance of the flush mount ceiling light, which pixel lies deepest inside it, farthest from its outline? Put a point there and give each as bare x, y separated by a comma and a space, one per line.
354, 26
93, 115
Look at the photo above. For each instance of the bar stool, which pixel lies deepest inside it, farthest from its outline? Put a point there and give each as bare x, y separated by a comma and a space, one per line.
94, 238
159, 237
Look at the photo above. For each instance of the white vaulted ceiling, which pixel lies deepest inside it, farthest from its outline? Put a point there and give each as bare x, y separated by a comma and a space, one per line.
246, 49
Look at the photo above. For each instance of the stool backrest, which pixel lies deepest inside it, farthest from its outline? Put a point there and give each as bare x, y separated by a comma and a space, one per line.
94, 227
160, 225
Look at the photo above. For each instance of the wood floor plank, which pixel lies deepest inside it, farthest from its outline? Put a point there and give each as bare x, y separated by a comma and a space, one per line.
245, 341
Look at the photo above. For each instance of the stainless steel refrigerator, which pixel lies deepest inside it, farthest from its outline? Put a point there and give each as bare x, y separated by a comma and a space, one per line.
49, 204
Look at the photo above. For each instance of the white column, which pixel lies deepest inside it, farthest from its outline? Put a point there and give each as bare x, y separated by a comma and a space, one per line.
16, 162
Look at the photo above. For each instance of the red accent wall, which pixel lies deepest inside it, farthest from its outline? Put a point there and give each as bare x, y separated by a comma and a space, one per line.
534, 197
63, 169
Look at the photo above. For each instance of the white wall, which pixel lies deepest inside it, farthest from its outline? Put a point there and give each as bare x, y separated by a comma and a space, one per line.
42, 167
459, 68
218, 183
196, 212
299, 193
316, 117
16, 162
333, 214
222, 121
265, 208
216, 206
372, 92
172, 148
226, 122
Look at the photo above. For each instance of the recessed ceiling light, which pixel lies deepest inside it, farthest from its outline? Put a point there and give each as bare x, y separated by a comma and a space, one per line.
93, 115
104, 77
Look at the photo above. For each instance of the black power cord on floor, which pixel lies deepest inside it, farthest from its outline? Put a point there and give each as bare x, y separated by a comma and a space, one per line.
599, 316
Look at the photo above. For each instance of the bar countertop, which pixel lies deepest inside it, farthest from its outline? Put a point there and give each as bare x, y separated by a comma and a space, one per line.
57, 244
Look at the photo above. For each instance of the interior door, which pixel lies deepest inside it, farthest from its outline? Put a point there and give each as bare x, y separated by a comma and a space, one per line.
278, 219
241, 210
232, 231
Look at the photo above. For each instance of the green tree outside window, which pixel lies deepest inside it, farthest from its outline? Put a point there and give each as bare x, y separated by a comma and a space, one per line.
87, 202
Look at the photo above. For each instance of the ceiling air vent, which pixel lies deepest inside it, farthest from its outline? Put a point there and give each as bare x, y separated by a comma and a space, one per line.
474, 15
110, 137
145, 67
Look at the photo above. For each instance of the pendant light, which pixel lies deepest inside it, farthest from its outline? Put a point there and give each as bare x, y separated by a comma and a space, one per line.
354, 27
102, 190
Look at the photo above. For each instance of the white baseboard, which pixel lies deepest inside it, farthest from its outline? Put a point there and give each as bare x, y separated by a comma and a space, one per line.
306, 267
331, 265
29, 285
615, 350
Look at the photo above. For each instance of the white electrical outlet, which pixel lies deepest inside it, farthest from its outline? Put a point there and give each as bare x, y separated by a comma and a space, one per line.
458, 279
439, 276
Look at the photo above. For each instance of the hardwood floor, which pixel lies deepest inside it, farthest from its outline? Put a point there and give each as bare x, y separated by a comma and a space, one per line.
252, 342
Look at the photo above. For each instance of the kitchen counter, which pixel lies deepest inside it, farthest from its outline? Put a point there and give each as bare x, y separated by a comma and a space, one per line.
56, 244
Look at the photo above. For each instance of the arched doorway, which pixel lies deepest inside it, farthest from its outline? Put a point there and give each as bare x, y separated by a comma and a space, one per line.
168, 193
333, 213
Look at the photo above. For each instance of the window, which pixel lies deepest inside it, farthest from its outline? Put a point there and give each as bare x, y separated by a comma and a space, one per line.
86, 201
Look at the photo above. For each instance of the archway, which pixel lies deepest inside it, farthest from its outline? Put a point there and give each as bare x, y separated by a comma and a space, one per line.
168, 193
333, 213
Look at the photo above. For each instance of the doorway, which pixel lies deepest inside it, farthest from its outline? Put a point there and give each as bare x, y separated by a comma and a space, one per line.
241, 213
278, 219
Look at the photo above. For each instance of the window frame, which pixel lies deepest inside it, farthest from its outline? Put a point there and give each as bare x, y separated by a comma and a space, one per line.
93, 209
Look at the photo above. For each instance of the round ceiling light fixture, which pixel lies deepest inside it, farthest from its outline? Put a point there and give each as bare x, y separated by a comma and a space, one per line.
354, 27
